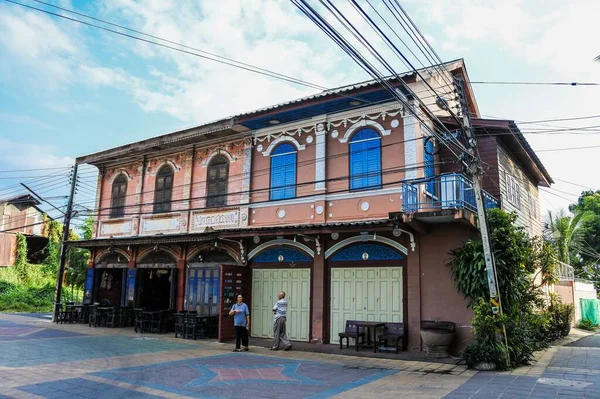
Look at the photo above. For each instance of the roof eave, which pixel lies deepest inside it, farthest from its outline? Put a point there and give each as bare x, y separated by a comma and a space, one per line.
164, 141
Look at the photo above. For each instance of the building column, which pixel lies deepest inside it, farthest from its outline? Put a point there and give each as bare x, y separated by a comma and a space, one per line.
412, 131
413, 283
180, 285
99, 188
320, 157
318, 297
139, 197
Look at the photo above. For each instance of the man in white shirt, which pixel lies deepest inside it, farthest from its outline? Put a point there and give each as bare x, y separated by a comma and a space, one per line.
280, 313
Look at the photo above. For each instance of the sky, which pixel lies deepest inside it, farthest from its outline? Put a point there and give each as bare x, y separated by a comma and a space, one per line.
67, 90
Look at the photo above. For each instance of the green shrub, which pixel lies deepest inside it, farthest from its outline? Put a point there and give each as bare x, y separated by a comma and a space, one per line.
27, 299
561, 315
480, 352
587, 325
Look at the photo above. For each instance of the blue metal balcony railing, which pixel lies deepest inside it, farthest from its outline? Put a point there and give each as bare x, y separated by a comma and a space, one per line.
450, 191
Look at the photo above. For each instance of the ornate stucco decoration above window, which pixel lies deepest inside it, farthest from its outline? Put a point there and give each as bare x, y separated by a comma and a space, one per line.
283, 139
320, 126
176, 161
289, 133
218, 151
230, 150
129, 171
364, 123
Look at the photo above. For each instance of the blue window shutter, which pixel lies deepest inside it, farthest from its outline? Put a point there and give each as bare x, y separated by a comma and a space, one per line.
283, 173
373, 161
289, 175
357, 165
131, 285
429, 161
276, 177
365, 160
89, 286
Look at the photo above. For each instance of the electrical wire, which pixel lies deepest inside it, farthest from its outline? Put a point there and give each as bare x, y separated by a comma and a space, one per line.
253, 203
389, 171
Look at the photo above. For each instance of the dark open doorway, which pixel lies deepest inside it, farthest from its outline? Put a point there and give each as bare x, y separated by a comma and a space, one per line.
156, 281
109, 286
155, 288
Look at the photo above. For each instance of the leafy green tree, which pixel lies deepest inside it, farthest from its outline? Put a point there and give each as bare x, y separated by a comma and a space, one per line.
566, 233
587, 262
21, 257
523, 265
78, 258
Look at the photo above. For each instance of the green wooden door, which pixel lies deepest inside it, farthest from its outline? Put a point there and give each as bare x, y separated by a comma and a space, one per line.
366, 294
266, 284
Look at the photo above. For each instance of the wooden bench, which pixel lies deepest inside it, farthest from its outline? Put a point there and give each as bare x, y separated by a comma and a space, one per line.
393, 332
350, 332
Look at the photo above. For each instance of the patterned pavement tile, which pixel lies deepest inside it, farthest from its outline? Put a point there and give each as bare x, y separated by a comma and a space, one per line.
38, 352
10, 331
82, 388
230, 376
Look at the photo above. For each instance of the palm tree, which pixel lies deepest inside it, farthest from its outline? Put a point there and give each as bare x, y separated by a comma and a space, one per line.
566, 233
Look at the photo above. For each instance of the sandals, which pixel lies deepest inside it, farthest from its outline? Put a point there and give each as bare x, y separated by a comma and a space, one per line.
236, 350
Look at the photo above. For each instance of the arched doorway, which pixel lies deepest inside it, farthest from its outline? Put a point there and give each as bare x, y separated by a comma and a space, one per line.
367, 282
203, 281
110, 279
156, 281
281, 265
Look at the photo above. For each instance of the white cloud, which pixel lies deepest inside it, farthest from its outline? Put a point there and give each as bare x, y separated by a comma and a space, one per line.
17, 154
24, 119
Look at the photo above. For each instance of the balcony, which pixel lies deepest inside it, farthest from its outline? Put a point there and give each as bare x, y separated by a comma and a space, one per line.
447, 192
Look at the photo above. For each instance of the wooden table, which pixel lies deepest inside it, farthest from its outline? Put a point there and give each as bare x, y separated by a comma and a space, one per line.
367, 325
71, 309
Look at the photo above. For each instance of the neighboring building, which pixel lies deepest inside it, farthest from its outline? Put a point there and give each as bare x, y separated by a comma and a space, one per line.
340, 199
20, 215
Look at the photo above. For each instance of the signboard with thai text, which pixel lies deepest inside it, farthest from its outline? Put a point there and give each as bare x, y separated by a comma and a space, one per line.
216, 220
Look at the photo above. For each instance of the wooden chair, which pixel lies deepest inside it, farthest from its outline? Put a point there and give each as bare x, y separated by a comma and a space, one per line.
350, 332
163, 321
393, 332
180, 325
96, 318
194, 327
114, 317
139, 323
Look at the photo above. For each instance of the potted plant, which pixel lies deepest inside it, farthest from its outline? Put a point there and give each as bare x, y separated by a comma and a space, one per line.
437, 336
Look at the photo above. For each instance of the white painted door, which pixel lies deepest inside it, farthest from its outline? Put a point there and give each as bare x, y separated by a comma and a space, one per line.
366, 294
266, 284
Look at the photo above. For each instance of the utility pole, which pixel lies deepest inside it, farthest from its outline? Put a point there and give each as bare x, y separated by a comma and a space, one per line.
475, 172
63, 246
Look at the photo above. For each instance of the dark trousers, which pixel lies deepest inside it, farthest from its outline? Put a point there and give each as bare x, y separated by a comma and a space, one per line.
241, 334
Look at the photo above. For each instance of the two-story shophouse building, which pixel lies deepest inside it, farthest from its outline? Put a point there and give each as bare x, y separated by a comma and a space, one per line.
341, 199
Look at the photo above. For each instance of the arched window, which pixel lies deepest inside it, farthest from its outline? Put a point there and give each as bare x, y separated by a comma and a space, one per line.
365, 160
218, 172
119, 193
283, 172
163, 189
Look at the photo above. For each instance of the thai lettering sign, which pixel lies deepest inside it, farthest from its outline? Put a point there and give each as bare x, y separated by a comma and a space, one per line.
216, 220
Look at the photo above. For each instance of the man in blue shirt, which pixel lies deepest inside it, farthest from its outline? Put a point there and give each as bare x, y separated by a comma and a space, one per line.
280, 313
241, 321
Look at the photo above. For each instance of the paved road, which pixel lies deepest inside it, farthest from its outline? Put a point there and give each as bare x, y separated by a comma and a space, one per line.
43, 360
